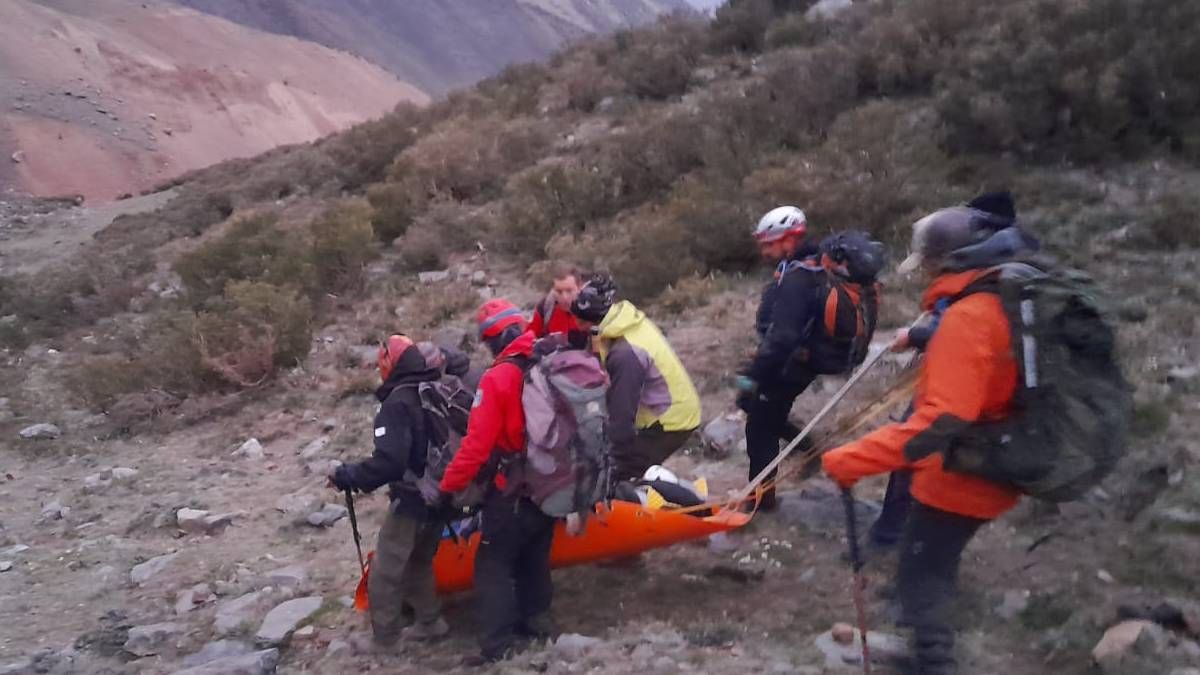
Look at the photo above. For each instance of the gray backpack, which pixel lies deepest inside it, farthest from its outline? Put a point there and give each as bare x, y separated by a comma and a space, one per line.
1072, 406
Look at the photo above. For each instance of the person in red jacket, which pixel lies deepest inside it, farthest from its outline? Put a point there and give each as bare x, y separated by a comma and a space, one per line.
969, 374
512, 564
553, 314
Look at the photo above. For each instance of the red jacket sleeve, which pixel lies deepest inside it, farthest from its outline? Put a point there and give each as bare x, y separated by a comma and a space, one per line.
956, 379
484, 429
539, 325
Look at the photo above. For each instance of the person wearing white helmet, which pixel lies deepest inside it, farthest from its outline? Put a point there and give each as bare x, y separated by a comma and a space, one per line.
768, 385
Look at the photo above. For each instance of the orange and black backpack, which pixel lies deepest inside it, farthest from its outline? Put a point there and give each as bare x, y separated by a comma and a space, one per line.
847, 295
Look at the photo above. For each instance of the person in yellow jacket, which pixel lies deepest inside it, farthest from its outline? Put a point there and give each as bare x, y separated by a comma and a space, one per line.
653, 408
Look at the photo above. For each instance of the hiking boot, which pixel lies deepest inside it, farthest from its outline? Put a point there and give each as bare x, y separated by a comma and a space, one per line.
425, 631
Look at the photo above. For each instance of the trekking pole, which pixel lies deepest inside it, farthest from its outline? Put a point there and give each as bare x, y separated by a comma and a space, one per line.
860, 581
362, 565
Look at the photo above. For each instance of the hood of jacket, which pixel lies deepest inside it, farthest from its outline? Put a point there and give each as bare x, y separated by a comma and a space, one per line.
410, 368
521, 346
1003, 246
621, 318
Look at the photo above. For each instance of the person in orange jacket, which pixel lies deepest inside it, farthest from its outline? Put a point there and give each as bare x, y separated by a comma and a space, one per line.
969, 374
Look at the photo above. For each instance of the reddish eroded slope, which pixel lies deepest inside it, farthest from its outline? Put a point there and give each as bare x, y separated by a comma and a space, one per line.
105, 97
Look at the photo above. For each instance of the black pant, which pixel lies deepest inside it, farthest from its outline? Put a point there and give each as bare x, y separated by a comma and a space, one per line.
930, 552
650, 446
512, 570
767, 421
897, 502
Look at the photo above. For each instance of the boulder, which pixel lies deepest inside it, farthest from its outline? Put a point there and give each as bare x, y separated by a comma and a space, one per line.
328, 515
818, 508
5, 565
298, 505
256, 663
233, 614
726, 435
196, 521
188, 599
151, 639
219, 649
143, 572
572, 646
1125, 640
124, 474
55, 511
43, 431
282, 621
97, 483
291, 576
251, 449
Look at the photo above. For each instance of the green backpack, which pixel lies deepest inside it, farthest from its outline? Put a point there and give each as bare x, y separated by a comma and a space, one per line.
1072, 406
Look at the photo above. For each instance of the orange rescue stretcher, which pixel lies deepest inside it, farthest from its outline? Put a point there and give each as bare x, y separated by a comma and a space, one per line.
617, 530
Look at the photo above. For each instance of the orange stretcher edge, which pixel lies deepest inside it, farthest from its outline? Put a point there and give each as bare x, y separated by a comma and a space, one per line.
617, 530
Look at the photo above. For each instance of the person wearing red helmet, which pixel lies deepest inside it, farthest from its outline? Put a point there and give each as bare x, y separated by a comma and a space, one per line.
402, 569
512, 563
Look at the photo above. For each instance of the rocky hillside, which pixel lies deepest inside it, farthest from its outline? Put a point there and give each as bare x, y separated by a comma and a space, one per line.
173, 388
106, 97
440, 44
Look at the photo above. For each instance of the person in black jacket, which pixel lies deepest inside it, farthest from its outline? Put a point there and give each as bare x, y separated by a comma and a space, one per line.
769, 384
401, 579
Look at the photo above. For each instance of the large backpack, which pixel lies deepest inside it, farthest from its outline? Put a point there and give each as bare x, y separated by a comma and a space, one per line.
566, 467
446, 404
1072, 405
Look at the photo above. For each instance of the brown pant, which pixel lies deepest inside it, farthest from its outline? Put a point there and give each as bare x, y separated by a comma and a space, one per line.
402, 575
651, 446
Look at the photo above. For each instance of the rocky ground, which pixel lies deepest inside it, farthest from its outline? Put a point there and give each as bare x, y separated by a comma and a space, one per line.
199, 537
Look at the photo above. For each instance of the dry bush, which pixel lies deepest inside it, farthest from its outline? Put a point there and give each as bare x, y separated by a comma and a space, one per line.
361, 155
716, 217
793, 30
447, 227
689, 293
253, 248
396, 204
879, 168
342, 244
1173, 223
646, 158
586, 82
657, 62
554, 196
514, 91
740, 25
431, 306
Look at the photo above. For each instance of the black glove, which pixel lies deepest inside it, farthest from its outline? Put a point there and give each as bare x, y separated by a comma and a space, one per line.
745, 400
341, 479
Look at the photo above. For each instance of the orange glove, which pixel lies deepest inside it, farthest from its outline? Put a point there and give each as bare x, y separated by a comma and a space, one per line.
834, 466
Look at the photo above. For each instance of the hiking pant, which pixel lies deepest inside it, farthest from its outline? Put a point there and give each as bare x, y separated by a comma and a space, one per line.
401, 578
512, 571
897, 502
930, 551
650, 446
767, 421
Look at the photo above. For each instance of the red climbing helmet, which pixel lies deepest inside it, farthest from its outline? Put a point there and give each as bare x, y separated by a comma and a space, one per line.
497, 315
390, 352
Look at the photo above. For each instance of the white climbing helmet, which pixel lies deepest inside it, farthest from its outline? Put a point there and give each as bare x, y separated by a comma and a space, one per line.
780, 222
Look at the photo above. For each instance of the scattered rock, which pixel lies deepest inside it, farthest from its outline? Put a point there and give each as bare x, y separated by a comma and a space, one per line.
220, 649
1126, 639
256, 663
285, 577
124, 474
189, 599
328, 424
5, 565
1183, 373
97, 483
233, 614
885, 648
307, 633
151, 639
726, 435
17, 157
479, 278
195, 521
338, 647
55, 511
314, 448
298, 505
142, 573
818, 508
572, 646
251, 449
1014, 602
282, 621
328, 515
433, 277
43, 431
1178, 516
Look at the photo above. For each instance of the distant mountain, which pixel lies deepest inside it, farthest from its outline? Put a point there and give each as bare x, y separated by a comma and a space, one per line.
441, 44
103, 97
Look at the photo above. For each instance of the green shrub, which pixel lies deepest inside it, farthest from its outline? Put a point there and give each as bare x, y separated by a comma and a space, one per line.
361, 155
342, 244
1174, 223
432, 306
548, 198
253, 248
740, 25
396, 204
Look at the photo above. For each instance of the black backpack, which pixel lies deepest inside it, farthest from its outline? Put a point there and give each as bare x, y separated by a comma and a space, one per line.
1072, 406
446, 404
